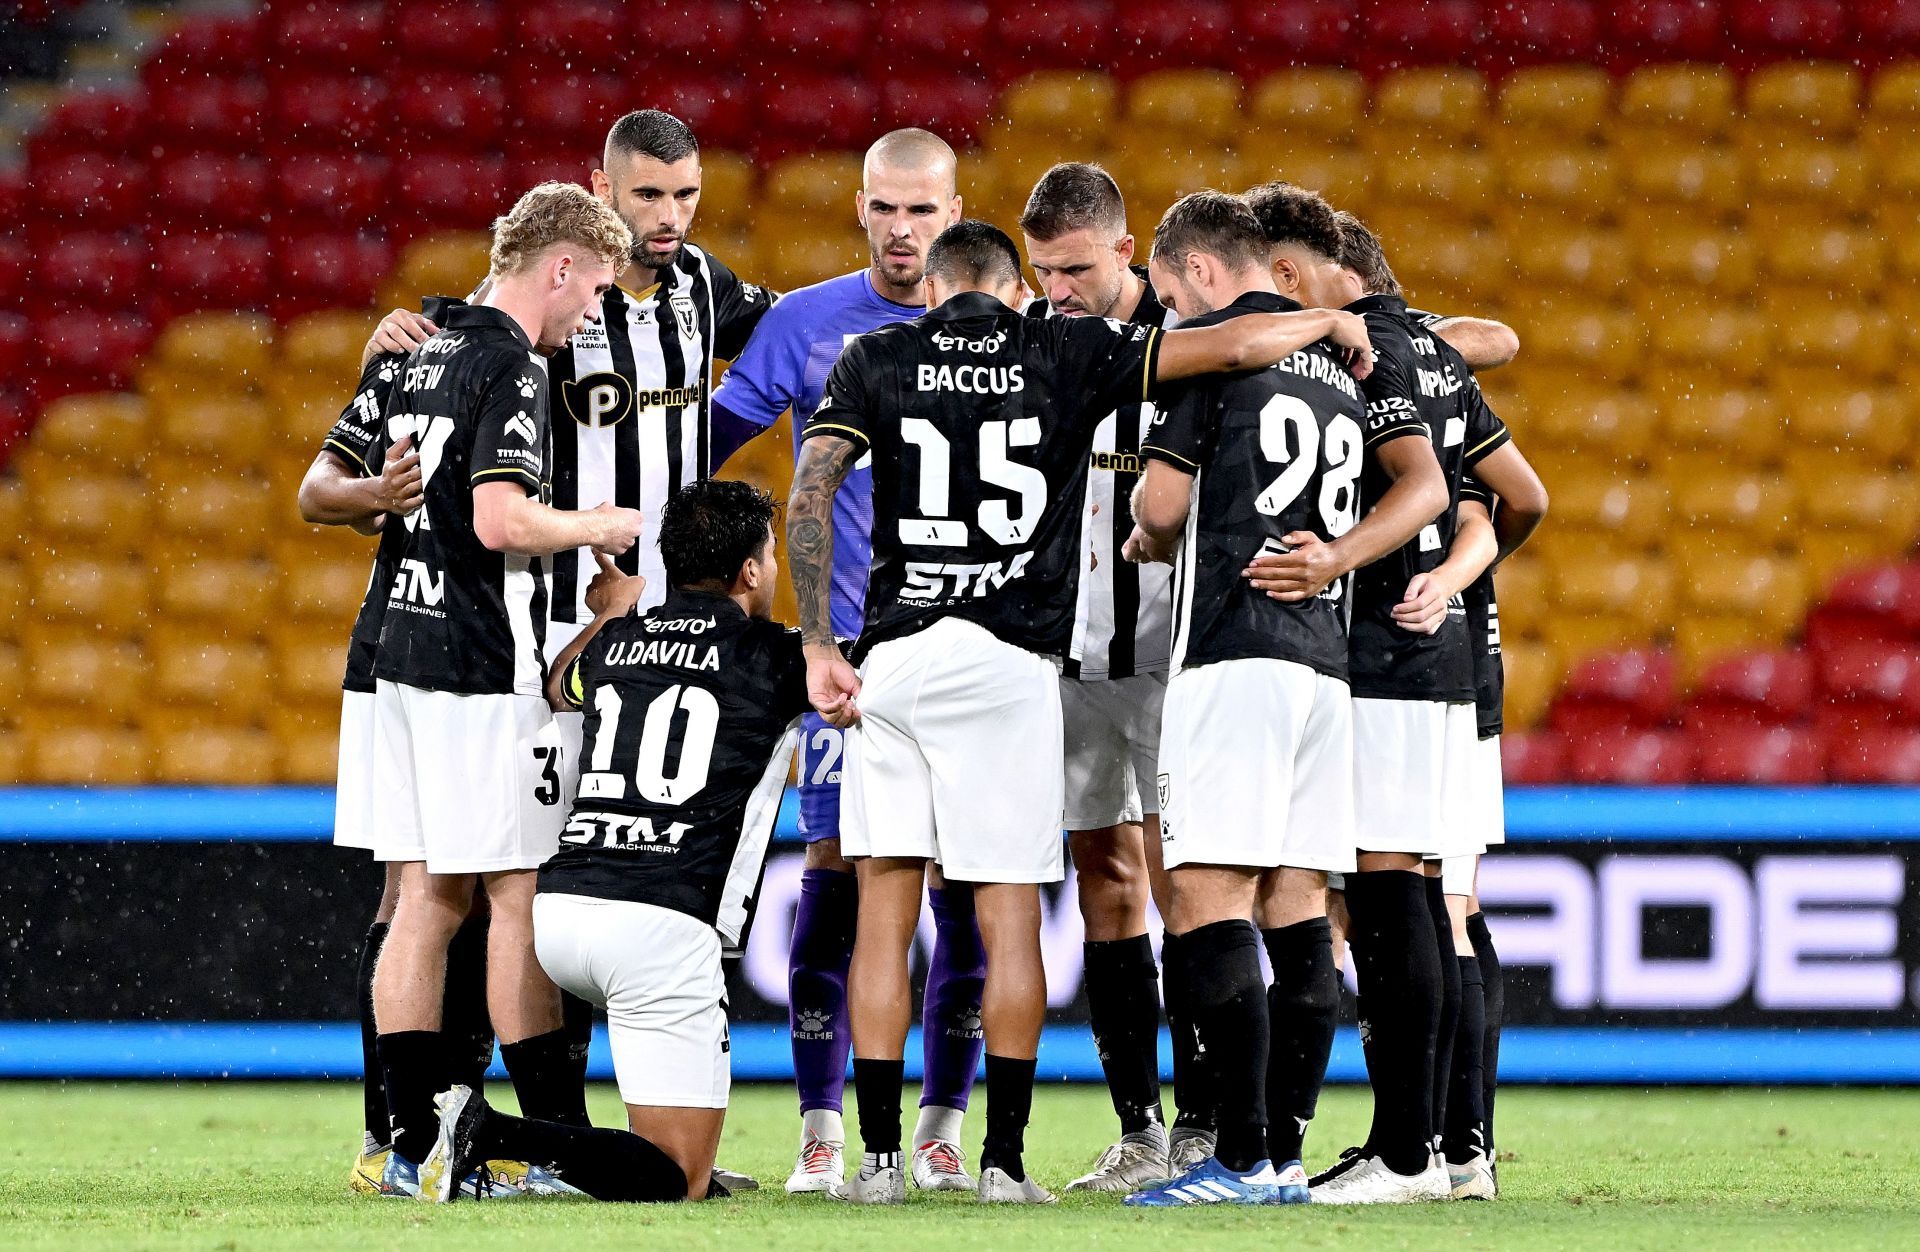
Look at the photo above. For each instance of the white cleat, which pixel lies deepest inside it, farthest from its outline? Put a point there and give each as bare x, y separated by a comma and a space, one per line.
821, 1166
1371, 1182
1129, 1165
940, 1165
1472, 1180
996, 1187
885, 1185
1186, 1149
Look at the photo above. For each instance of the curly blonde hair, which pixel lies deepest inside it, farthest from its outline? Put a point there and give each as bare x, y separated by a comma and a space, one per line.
557, 213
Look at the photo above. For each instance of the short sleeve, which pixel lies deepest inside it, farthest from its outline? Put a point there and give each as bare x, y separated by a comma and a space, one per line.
1391, 411
1471, 488
791, 695
1486, 433
355, 434
844, 411
763, 380
1110, 362
510, 432
738, 307
1183, 430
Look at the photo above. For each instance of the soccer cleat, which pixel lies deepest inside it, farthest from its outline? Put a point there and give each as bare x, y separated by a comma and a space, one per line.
454, 1157
734, 1181
998, 1187
940, 1165
368, 1169
820, 1168
1133, 1164
539, 1180
1349, 1158
1210, 1182
1472, 1179
1369, 1181
1186, 1149
1291, 1185
883, 1184
400, 1177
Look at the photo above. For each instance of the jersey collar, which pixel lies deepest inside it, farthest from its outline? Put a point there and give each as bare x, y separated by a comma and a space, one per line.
970, 304
486, 317
1378, 304
705, 599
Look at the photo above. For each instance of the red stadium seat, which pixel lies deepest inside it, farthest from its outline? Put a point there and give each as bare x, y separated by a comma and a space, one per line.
570, 109
1800, 29
819, 34
1881, 754
1874, 675
212, 269
209, 112
1528, 32
449, 110
88, 351
105, 120
458, 34
810, 112
324, 187
1437, 32
103, 192
1171, 35
710, 34
325, 269
1631, 756
721, 110
210, 189
1887, 27
334, 112
1757, 687
446, 191
1881, 603
80, 265
348, 36
1532, 757
955, 108
1644, 31
1050, 34
16, 337
1274, 34
1615, 688
206, 46
1777, 755
560, 29
938, 32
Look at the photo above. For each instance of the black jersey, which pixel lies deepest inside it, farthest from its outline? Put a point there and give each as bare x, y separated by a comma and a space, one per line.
631, 408
1483, 633
691, 709
980, 421
1418, 383
358, 438
1272, 451
459, 616
1121, 621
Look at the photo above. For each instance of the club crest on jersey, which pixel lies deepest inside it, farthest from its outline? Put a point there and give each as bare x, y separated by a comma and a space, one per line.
527, 387
598, 400
683, 312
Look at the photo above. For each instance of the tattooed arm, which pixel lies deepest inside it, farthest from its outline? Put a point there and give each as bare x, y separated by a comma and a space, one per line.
832, 683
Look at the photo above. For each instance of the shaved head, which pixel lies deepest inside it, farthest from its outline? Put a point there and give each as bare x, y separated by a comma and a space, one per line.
912, 151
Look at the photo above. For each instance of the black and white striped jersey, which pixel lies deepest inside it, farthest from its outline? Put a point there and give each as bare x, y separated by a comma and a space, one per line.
459, 616
1272, 451
1483, 632
631, 401
691, 713
1122, 623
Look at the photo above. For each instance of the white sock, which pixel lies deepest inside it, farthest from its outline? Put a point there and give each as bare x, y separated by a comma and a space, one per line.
825, 1124
938, 1122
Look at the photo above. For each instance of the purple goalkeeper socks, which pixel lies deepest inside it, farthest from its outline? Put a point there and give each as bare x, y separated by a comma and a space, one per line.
950, 1013
817, 986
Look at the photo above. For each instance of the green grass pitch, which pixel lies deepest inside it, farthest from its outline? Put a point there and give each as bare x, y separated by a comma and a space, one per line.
241, 1166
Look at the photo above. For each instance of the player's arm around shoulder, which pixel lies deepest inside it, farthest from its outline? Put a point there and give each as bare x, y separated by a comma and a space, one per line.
611, 595
1257, 340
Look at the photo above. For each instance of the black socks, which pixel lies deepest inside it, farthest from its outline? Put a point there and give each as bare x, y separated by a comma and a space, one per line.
1449, 1003
414, 1064
1009, 1106
1192, 1080
465, 1025
1220, 964
373, 1087
546, 1078
607, 1164
1302, 1007
1465, 1128
1397, 960
1496, 998
876, 1085
1123, 1003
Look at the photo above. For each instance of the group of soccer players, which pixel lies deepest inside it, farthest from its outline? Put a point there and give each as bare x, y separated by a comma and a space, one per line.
1156, 552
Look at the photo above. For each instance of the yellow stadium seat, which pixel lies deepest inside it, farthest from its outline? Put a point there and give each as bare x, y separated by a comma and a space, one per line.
1200, 106
1533, 674
1861, 340
1903, 253
1852, 418
16, 508
1576, 258
327, 344
1603, 343
104, 430
800, 258
230, 513
308, 663
306, 743
1822, 98
1828, 554
15, 762
1705, 179
726, 192
1679, 99
325, 590
102, 598
1631, 511
450, 263
1061, 104
1700, 640
1578, 636
1770, 591
194, 668
110, 511
219, 431
1638, 589
815, 183
1829, 174
232, 345
1450, 268
80, 669
1448, 102
1571, 101
732, 243
1837, 257
1856, 493
1583, 181
1340, 174
77, 754
1152, 178
215, 754
1463, 183
16, 585
1525, 584
1729, 340
218, 592
1738, 425
1324, 104
1894, 94
1577, 418
1722, 262
1762, 507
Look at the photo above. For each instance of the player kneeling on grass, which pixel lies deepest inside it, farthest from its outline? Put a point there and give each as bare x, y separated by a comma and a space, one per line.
690, 716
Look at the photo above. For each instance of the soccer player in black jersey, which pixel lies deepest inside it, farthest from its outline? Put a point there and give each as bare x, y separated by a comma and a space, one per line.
980, 421
467, 759
1256, 745
1111, 689
691, 710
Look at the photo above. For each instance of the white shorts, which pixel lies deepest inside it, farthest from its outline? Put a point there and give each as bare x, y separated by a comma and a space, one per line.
1457, 874
956, 757
354, 824
1401, 774
657, 973
1488, 802
1113, 748
1256, 767
1461, 831
468, 784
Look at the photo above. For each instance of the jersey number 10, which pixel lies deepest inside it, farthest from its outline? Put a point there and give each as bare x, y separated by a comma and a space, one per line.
695, 733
